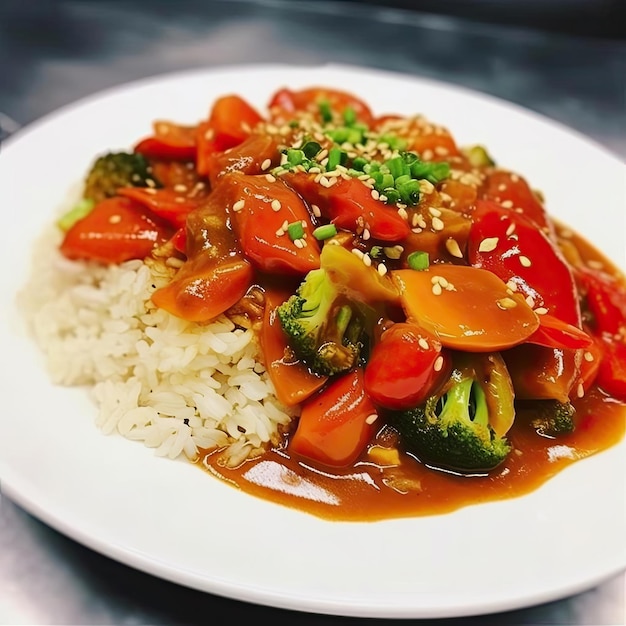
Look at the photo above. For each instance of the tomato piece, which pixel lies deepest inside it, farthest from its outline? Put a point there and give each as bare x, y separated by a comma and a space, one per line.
179, 240
349, 204
337, 423
292, 379
509, 189
465, 307
260, 209
513, 248
116, 230
169, 204
405, 367
248, 157
612, 370
285, 102
605, 297
216, 274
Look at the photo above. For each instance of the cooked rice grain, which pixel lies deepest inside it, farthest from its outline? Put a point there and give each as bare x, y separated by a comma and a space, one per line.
174, 385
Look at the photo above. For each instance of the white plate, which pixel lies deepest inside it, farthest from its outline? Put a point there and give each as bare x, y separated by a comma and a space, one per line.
174, 521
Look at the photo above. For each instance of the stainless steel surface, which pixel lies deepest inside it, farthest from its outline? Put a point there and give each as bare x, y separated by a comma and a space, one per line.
52, 53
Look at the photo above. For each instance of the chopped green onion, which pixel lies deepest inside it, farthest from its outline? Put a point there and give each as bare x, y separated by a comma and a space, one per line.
325, 232
359, 163
393, 195
433, 172
295, 157
336, 156
75, 214
387, 181
349, 116
418, 260
311, 148
376, 251
295, 230
326, 111
397, 166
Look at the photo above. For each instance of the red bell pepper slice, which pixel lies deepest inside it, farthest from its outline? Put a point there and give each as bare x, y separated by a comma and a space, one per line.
169, 142
554, 333
405, 367
337, 423
116, 230
513, 248
512, 191
349, 204
169, 204
605, 297
612, 370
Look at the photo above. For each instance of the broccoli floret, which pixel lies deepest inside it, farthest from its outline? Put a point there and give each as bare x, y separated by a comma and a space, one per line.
323, 326
111, 171
452, 429
551, 418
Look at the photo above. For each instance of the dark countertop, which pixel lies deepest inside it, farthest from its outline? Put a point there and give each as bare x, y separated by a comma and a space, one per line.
60, 51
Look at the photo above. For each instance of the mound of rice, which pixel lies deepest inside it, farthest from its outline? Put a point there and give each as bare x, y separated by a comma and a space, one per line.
174, 385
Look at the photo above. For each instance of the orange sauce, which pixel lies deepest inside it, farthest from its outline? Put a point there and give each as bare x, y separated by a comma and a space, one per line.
369, 492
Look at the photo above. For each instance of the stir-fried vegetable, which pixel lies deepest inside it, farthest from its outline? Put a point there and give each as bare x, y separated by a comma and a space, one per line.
404, 281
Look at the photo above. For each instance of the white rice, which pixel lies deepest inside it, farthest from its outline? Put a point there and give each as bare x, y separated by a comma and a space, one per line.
176, 386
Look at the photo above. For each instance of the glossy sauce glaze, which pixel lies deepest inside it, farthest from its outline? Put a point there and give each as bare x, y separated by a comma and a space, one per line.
384, 484
369, 491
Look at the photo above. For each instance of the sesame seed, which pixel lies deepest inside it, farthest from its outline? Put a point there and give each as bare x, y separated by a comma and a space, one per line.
374, 193
209, 134
488, 244
179, 199
507, 204
434, 212
452, 246
512, 285
316, 210
367, 260
501, 187
588, 357
276, 206
506, 303
525, 261
366, 234
180, 188
426, 186
285, 225
298, 243
150, 182
530, 301
324, 182
370, 419
403, 214
382, 269
437, 290
441, 151
357, 252
239, 205
269, 178
150, 191
515, 178
580, 390
423, 343
115, 219
265, 165
280, 232
541, 310
438, 364
427, 155
510, 230
437, 223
